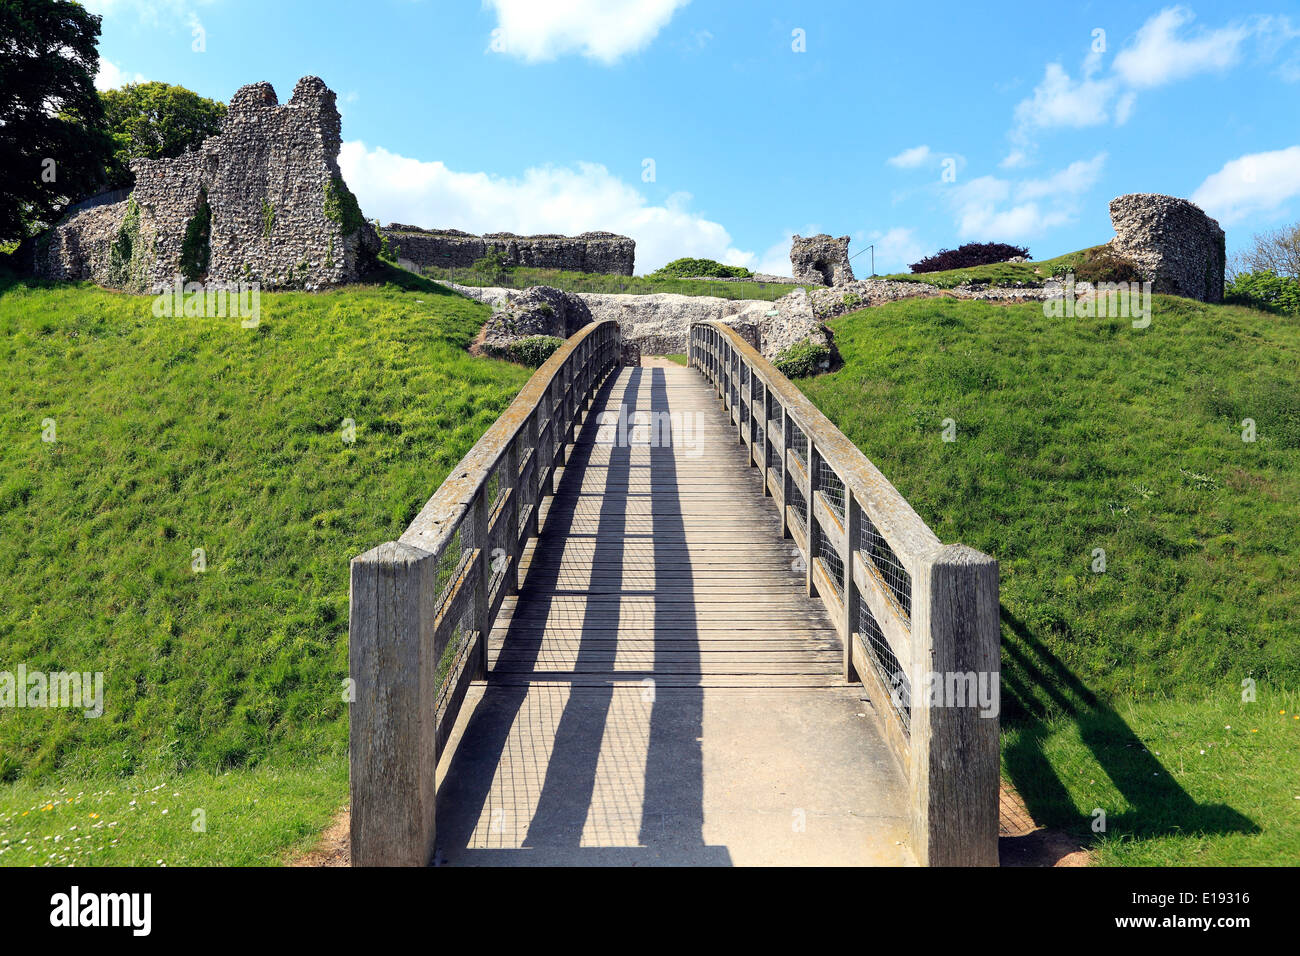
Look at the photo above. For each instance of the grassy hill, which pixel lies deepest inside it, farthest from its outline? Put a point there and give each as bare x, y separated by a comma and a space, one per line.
1031, 274
521, 277
1122, 689
178, 434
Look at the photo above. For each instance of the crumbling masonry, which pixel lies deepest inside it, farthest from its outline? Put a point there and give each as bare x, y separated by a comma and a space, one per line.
452, 249
263, 202
1176, 246
821, 260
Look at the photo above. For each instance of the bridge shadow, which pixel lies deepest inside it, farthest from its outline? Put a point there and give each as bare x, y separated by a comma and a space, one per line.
1038, 686
608, 769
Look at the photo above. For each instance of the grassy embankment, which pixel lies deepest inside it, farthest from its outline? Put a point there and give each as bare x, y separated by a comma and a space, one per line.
1122, 690
520, 277
1031, 274
223, 687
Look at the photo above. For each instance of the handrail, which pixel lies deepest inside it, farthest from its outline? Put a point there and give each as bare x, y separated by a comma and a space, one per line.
423, 606
917, 619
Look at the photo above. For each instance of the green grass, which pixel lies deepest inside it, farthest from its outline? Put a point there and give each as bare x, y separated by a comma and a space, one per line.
1031, 274
521, 277
260, 816
177, 434
679, 358
1204, 782
1078, 434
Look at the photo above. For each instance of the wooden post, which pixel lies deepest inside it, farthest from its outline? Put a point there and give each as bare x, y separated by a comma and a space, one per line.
955, 765
739, 398
534, 471
482, 571
810, 519
785, 472
512, 484
748, 403
852, 530
392, 739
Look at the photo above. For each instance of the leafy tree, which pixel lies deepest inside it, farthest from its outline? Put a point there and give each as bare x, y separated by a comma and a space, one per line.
53, 148
1265, 289
969, 255
691, 268
156, 121
1277, 252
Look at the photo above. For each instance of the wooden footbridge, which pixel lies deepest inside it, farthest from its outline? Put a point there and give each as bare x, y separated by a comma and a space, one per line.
669, 615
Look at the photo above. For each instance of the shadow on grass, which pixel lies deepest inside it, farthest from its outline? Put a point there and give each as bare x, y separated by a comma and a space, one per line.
1038, 684
384, 274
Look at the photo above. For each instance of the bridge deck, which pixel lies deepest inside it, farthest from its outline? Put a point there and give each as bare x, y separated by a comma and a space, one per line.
662, 690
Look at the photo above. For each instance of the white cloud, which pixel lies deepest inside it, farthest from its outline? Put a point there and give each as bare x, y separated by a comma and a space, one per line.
1061, 101
775, 259
152, 12
111, 76
896, 249
1161, 53
544, 199
1124, 107
911, 158
1078, 177
1014, 159
1255, 184
603, 30
991, 209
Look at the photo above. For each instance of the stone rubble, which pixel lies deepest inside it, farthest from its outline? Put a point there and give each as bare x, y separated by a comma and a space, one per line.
659, 323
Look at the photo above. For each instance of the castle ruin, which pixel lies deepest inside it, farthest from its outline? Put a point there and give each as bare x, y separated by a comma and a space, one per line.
452, 249
1176, 246
263, 201
821, 260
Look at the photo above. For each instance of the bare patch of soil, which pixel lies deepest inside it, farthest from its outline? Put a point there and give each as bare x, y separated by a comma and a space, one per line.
334, 848
1022, 842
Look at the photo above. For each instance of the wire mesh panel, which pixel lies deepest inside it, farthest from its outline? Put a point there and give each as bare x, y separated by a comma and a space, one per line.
447, 564
459, 635
878, 554
829, 484
774, 451
799, 445
527, 491
886, 665
798, 503
832, 562
494, 487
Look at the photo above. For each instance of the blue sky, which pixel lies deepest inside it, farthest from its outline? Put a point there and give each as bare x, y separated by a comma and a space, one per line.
701, 128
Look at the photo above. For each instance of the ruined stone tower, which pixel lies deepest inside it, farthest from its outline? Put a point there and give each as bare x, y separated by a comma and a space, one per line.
821, 260
1178, 248
263, 201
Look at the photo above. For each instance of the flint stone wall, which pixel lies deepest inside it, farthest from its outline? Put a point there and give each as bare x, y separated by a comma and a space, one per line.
1176, 246
281, 214
452, 249
659, 323
821, 260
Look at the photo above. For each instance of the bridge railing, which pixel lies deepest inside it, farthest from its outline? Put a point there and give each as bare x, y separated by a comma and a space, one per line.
421, 607
918, 620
